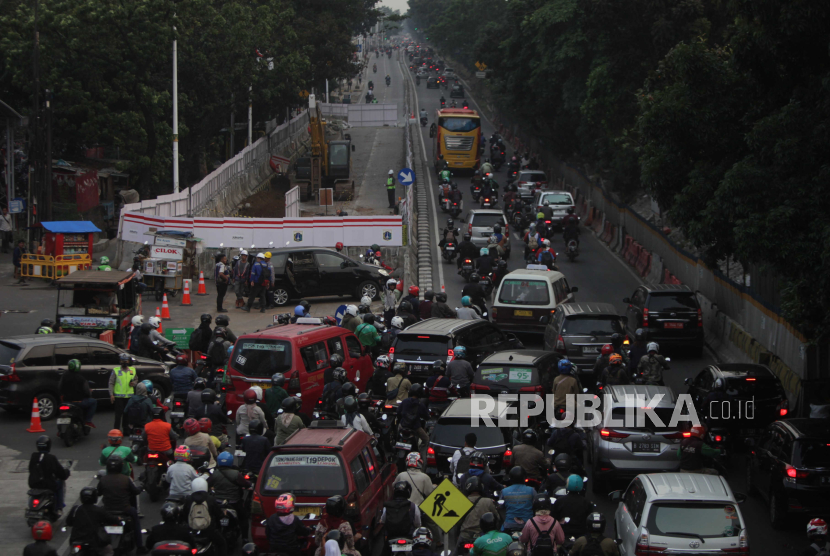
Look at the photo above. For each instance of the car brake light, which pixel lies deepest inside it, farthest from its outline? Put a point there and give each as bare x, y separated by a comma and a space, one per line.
609, 433
643, 547
431, 456
12, 376
750, 379
782, 412
479, 387
673, 436
538, 389
700, 318
470, 228
64, 408
645, 317
794, 473
506, 457
718, 438
256, 505
450, 356
560, 345
743, 545
687, 435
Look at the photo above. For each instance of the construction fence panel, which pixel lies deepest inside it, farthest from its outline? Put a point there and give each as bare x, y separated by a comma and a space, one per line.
369, 115
292, 202
335, 110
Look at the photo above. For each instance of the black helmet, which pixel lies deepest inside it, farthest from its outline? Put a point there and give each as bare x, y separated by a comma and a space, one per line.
348, 389
255, 427
206, 318
450, 223
335, 506
277, 379
570, 210
115, 464
502, 264
219, 332
529, 436
200, 384
467, 237
208, 396
250, 549
616, 340
363, 309
335, 361
517, 475
441, 297
541, 502
339, 374
289, 405
369, 318
405, 306
336, 535
429, 295
350, 404
475, 277
453, 186
89, 495
43, 443
158, 412
402, 490
416, 390
363, 400
488, 522
562, 462
222, 320
48, 322
306, 305
497, 228
170, 512
439, 367
146, 328
595, 523
471, 485
478, 460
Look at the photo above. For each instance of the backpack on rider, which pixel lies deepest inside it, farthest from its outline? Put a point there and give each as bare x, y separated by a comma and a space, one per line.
199, 517
544, 544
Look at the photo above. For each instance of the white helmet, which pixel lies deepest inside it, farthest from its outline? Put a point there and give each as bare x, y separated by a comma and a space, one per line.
258, 391
391, 172
397, 322
243, 252
366, 300
199, 484
653, 346
546, 242
382, 362
351, 310
155, 322
546, 204
391, 283
138, 320
260, 255
816, 528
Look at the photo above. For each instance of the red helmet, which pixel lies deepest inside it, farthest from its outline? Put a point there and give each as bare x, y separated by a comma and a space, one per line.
284, 504
414, 290
191, 426
205, 425
181, 360
249, 396
42, 531
698, 431
607, 349
115, 437
339, 245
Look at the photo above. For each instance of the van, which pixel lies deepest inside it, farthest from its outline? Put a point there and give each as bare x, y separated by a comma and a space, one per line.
526, 299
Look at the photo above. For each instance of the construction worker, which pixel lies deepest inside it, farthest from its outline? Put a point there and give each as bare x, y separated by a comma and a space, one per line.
390, 188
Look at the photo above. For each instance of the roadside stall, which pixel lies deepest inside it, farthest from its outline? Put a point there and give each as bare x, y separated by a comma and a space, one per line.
95, 302
67, 247
162, 269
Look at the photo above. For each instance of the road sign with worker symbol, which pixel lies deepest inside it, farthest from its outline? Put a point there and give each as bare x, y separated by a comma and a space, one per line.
446, 506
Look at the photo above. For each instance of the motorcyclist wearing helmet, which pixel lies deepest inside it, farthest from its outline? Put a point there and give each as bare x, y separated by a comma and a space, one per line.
530, 458
614, 374
228, 483
256, 446
368, 335
491, 542
116, 490
518, 500
182, 376
146, 347
284, 529
651, 367
693, 451
158, 434
224, 321
48, 323
460, 372
199, 494
170, 528
413, 415
465, 453
490, 487
420, 482
156, 337
352, 417
288, 422
449, 234
575, 506
637, 351
595, 535
547, 210
333, 391
74, 388
602, 361
568, 440
466, 250
425, 306
400, 516
476, 292
440, 309
397, 387
564, 385
475, 491
407, 312
412, 298
501, 240
139, 409
87, 518
570, 226
46, 472
438, 386
201, 337
485, 262
486, 168
217, 353
276, 393
197, 438
334, 526
181, 472
350, 319
194, 397
466, 312
377, 382
499, 273
817, 535
115, 439
546, 255
135, 330
41, 534
249, 411
561, 471
422, 542
541, 524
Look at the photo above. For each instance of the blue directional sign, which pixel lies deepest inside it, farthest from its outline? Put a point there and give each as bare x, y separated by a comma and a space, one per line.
339, 313
17, 205
406, 176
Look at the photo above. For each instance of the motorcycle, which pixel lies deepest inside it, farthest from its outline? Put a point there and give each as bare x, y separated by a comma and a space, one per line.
443, 103
489, 201
401, 545
448, 253
388, 81
71, 425
572, 250
374, 69
424, 121
455, 209
229, 525
475, 191
466, 269
41, 506
178, 405
407, 443
121, 536
155, 473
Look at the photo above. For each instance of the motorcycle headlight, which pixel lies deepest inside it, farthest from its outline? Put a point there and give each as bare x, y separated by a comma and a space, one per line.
383, 272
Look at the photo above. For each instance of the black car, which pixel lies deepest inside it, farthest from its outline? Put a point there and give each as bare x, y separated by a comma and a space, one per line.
516, 372
432, 83
756, 397
316, 271
31, 367
789, 467
425, 342
457, 91
668, 314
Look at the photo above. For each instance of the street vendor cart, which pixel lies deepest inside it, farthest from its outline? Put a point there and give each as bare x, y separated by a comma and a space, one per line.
92, 302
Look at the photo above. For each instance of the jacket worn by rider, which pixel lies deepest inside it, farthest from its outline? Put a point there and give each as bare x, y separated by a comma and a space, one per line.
531, 459
227, 484
159, 436
651, 368
86, 520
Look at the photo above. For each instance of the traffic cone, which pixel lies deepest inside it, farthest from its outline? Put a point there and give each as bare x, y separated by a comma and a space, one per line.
35, 426
158, 314
202, 289
165, 308
186, 294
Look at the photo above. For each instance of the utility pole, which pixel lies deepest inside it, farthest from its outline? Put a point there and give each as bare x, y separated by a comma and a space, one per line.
176, 118
250, 114
233, 129
47, 209
34, 145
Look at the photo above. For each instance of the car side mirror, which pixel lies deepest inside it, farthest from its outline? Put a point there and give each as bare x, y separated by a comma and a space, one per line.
352, 148
344, 264
615, 496
544, 319
740, 497
626, 300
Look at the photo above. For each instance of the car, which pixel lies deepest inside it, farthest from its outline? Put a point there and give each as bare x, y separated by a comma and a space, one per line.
789, 468
449, 73
668, 314
430, 340
480, 224
621, 452
301, 352
579, 330
525, 296
749, 386
310, 272
680, 513
458, 420
559, 201
324, 460
31, 367
457, 91
516, 372
432, 83
423, 71
529, 181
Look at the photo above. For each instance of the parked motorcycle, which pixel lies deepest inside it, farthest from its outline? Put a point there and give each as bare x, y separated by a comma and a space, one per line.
71, 425
448, 253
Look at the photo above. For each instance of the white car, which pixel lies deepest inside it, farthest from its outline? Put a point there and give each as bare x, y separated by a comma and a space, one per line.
449, 73
559, 201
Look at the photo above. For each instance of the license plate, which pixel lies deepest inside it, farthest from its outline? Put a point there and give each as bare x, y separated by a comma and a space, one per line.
590, 349
672, 325
450, 248
646, 447
224, 522
177, 413
402, 548
417, 368
239, 454
64, 421
114, 529
305, 510
520, 313
403, 445
825, 480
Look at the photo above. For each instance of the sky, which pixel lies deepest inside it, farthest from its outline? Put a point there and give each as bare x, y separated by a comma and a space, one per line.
402, 5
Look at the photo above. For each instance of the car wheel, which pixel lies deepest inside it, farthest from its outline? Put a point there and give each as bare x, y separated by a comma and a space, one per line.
281, 296
750, 486
368, 288
777, 515
47, 405
158, 392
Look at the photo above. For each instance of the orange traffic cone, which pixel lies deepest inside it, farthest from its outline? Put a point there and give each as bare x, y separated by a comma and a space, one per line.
165, 308
158, 314
35, 426
186, 294
202, 289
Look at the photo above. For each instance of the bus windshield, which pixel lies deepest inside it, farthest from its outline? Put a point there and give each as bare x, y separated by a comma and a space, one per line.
459, 124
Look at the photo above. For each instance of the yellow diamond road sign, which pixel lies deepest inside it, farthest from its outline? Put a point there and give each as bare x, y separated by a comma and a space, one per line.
481, 66
446, 506
303, 93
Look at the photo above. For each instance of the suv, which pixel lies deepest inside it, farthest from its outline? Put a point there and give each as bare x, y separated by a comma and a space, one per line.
529, 181
432, 83
425, 342
789, 467
623, 452
457, 91
324, 460
579, 330
480, 224
680, 513
31, 367
301, 352
559, 201
458, 420
747, 385
449, 73
526, 297
516, 372
316, 271
668, 314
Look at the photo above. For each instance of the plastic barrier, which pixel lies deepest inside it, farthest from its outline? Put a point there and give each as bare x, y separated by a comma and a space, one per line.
633, 253
67, 264
590, 218
669, 278
106, 336
643, 264
597, 225
37, 266
606, 233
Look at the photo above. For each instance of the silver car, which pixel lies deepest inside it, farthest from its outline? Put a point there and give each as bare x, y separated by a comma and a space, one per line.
680, 513
480, 224
623, 452
527, 180
560, 202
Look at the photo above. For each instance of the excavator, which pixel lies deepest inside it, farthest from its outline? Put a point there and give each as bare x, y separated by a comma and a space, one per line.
329, 165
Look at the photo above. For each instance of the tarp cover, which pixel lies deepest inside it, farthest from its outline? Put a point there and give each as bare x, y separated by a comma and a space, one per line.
71, 227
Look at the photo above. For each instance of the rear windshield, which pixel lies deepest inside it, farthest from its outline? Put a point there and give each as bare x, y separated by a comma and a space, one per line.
532, 176
410, 344
507, 376
663, 413
8, 353
557, 199
812, 453
484, 220
760, 388
524, 292
261, 357
672, 302
691, 520
452, 432
304, 474
591, 326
